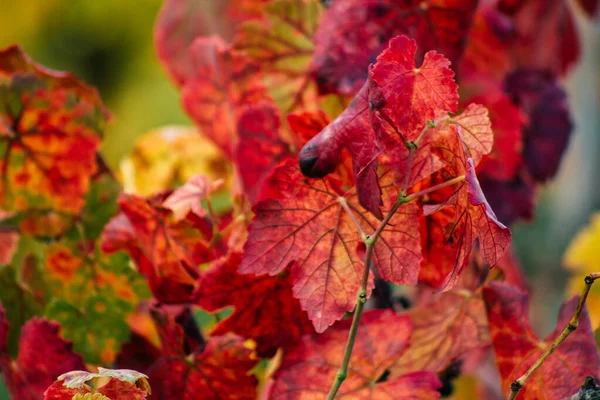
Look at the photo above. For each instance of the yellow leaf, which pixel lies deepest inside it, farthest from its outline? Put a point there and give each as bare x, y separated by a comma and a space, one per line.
582, 258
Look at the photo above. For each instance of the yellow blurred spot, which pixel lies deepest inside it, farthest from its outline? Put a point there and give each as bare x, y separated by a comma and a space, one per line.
167, 157
582, 258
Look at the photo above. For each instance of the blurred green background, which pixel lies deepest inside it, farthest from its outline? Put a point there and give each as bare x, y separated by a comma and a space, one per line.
109, 44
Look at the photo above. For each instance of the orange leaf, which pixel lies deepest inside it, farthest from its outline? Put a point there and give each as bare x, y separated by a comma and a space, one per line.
308, 370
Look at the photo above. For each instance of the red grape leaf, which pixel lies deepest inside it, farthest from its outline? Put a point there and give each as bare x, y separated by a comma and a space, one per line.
553, 44
178, 24
50, 129
414, 95
445, 328
353, 32
167, 252
282, 44
264, 307
507, 120
188, 197
549, 124
488, 44
351, 130
219, 371
260, 147
308, 229
466, 216
305, 125
223, 82
308, 370
517, 347
475, 130
42, 357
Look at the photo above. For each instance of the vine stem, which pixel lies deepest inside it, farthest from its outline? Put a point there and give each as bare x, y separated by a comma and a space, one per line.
517, 385
361, 299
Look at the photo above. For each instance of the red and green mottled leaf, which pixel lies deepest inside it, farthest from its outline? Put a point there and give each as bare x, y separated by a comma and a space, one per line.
282, 44
50, 129
308, 229
353, 32
308, 370
517, 347
167, 252
219, 371
42, 357
224, 80
264, 307
93, 295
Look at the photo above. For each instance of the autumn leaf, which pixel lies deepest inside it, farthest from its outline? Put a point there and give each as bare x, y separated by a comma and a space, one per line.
554, 43
219, 371
264, 307
452, 226
167, 157
549, 124
407, 97
352, 131
353, 32
445, 328
166, 252
308, 370
50, 130
308, 229
260, 147
504, 160
42, 357
582, 258
517, 347
188, 197
97, 293
122, 384
223, 82
282, 44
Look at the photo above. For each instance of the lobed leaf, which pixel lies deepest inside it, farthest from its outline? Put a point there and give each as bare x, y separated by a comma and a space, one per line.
308, 370
308, 230
517, 347
264, 307
50, 130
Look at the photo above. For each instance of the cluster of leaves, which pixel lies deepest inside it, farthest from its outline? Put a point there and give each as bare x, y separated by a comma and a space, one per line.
349, 159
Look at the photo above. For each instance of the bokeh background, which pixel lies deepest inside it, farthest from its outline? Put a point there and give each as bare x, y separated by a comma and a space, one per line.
109, 44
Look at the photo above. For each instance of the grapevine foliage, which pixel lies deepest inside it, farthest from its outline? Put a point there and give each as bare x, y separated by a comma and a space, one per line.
340, 148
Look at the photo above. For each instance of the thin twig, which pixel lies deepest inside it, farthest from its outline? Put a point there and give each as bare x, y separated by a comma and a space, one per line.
423, 192
361, 299
517, 385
